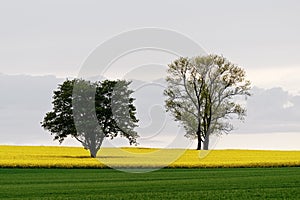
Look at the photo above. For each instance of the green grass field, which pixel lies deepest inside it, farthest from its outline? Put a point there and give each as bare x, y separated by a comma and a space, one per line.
237, 183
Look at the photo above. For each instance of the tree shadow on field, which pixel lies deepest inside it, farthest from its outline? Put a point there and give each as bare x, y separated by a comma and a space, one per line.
114, 157
85, 157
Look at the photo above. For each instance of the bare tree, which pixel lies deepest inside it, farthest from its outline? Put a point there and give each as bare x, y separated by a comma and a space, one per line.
201, 95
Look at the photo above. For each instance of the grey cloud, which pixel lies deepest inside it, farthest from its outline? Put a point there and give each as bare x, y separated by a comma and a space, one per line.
25, 100
27, 92
35, 40
272, 110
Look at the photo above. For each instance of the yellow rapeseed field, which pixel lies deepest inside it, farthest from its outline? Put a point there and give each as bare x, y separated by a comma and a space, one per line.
76, 157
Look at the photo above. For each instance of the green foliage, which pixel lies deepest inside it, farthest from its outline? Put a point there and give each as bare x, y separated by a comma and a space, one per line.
89, 112
255, 183
201, 95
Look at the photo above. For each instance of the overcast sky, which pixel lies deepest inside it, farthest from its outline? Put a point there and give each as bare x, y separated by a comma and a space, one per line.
55, 37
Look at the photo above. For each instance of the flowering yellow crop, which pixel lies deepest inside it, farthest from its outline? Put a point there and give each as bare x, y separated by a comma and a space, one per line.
76, 157
40, 156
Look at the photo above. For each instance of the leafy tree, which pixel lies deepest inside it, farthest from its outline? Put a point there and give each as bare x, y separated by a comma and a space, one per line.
90, 111
201, 94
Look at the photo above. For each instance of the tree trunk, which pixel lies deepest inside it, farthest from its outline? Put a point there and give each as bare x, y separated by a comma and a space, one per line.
206, 142
199, 140
199, 143
199, 137
93, 152
95, 145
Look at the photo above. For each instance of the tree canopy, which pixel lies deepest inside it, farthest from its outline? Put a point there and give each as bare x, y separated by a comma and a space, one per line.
201, 94
91, 111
